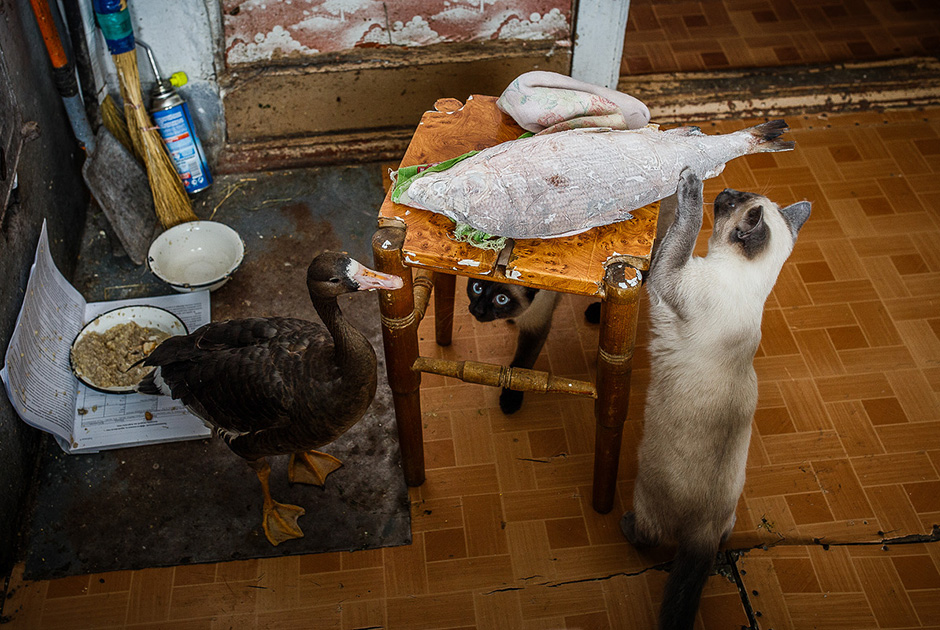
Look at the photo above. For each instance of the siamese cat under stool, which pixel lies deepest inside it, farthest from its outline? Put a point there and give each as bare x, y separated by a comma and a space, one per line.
705, 316
532, 312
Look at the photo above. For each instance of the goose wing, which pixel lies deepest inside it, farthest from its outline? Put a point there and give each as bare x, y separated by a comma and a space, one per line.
241, 376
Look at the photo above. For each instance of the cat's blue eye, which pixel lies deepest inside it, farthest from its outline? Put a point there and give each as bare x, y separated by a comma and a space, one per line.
502, 299
477, 288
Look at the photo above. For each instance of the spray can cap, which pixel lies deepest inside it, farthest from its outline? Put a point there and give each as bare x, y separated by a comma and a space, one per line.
179, 79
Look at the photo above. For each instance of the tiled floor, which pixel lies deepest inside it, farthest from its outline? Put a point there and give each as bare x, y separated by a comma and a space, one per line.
843, 482
692, 35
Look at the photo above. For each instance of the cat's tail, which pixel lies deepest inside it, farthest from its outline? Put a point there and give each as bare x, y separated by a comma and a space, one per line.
690, 570
766, 137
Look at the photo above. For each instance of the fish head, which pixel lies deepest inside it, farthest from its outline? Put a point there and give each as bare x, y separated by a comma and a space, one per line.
474, 185
754, 227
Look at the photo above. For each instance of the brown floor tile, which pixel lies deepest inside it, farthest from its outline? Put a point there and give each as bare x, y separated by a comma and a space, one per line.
69, 586
796, 575
917, 572
847, 337
567, 532
429, 612
445, 544
320, 563
810, 507
439, 454
547, 443
773, 420
884, 411
489, 572
496, 610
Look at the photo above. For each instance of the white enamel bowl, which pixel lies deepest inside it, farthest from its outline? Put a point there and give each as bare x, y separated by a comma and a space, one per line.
196, 255
144, 316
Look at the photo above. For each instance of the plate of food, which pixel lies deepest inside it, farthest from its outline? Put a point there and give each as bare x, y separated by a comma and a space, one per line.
107, 353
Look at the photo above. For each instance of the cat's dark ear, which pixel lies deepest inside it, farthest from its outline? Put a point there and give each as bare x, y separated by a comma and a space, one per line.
796, 215
750, 222
751, 232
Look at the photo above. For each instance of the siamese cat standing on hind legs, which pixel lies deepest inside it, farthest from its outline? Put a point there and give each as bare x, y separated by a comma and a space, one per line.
705, 315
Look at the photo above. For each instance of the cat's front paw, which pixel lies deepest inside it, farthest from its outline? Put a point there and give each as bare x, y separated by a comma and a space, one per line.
510, 401
689, 183
689, 193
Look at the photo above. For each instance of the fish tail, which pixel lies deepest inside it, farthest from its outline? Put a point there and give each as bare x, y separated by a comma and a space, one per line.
766, 137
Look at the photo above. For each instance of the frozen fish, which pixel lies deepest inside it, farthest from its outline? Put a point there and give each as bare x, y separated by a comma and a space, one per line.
567, 182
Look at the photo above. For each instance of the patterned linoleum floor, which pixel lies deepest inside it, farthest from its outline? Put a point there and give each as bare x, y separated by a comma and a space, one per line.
843, 482
694, 35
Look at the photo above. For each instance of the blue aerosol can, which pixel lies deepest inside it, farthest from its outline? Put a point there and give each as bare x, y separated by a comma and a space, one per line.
171, 114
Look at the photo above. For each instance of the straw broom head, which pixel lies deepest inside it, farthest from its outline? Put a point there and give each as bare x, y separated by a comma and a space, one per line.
169, 196
114, 122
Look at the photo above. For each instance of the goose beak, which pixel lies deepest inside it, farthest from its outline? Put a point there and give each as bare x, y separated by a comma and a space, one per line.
367, 279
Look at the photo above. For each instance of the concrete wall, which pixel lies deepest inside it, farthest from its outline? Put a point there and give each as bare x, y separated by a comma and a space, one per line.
356, 107
50, 187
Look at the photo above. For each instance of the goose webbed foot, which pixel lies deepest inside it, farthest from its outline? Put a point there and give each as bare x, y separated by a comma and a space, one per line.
311, 467
279, 520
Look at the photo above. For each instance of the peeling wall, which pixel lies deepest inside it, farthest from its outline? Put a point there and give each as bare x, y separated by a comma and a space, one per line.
263, 30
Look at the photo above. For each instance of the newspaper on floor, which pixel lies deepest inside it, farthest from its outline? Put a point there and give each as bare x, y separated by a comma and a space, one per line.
45, 393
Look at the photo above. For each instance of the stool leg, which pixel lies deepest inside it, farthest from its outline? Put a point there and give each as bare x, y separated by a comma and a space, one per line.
400, 338
614, 366
444, 307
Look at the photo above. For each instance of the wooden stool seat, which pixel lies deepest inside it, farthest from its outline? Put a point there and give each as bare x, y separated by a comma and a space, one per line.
573, 264
604, 261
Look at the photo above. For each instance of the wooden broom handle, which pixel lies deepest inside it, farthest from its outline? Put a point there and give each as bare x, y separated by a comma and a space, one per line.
50, 35
62, 70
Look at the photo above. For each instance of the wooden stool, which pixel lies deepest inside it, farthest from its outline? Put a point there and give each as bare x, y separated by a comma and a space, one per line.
604, 262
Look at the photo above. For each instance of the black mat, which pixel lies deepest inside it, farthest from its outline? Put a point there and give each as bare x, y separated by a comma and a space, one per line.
192, 502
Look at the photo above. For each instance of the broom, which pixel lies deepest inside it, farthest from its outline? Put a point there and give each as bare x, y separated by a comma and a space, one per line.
169, 196
114, 122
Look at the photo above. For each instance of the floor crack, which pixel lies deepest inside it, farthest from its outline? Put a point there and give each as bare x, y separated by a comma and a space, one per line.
731, 563
547, 460
909, 539
663, 566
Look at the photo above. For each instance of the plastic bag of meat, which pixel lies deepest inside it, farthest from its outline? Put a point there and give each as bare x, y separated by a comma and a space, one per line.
546, 102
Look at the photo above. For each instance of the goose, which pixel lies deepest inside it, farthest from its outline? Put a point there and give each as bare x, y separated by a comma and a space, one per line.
276, 385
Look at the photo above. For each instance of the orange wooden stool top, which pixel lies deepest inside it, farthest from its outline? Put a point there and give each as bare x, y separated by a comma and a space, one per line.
572, 264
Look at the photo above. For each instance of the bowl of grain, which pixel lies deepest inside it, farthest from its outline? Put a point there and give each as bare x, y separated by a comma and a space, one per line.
196, 255
106, 353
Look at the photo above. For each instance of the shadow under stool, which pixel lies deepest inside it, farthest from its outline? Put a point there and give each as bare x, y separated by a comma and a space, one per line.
605, 262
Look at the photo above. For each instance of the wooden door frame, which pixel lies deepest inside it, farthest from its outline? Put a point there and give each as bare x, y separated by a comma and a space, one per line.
599, 30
